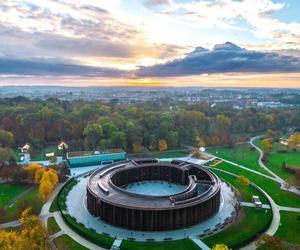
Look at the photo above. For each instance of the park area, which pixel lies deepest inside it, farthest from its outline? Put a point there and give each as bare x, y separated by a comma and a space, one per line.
243, 154
276, 159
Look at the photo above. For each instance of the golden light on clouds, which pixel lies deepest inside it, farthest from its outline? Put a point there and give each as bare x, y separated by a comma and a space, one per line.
274, 80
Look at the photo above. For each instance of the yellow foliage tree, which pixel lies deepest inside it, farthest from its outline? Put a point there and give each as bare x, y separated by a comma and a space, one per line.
33, 235
50, 176
9, 240
45, 190
243, 180
162, 145
39, 174
32, 169
136, 147
266, 145
47, 179
294, 140
220, 247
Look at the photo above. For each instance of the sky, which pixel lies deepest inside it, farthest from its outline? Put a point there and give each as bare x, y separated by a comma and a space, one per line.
222, 43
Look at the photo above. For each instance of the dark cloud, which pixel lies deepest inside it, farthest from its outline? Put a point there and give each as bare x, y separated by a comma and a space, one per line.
224, 58
54, 68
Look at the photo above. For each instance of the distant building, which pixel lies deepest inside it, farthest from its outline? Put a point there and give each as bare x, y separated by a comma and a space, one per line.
256, 201
26, 148
90, 158
62, 145
50, 154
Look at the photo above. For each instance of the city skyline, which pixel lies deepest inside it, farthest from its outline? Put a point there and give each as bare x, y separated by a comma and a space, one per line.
222, 43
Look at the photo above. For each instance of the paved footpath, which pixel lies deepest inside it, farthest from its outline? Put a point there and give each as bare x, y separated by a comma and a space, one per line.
11, 202
14, 223
262, 165
290, 209
200, 243
67, 230
275, 211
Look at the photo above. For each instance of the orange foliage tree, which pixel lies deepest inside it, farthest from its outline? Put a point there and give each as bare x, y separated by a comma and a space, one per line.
162, 145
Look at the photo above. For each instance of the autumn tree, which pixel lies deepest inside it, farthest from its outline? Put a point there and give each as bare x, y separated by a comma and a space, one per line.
136, 147
9, 240
270, 242
243, 180
266, 145
46, 178
33, 234
294, 141
162, 145
220, 247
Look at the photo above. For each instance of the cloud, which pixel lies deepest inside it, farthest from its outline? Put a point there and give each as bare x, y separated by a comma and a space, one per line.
152, 4
223, 58
54, 68
79, 31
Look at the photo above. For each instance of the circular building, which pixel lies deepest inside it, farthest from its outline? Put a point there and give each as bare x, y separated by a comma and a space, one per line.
117, 194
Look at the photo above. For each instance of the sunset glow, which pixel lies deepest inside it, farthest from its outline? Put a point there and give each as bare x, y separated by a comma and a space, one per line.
150, 43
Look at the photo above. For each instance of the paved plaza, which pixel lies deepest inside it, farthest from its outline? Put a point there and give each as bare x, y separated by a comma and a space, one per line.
77, 208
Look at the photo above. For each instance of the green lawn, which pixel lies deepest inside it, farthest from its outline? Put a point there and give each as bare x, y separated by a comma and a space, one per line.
246, 191
281, 197
250, 225
17, 154
31, 199
40, 156
287, 231
276, 159
52, 226
9, 191
99, 239
172, 245
240, 154
172, 154
61, 198
65, 242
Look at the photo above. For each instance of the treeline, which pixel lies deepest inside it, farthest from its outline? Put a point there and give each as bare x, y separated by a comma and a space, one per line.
91, 125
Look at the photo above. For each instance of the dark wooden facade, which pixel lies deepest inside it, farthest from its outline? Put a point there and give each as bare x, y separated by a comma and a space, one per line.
191, 209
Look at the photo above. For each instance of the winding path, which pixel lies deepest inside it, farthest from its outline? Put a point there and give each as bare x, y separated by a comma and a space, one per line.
275, 211
283, 184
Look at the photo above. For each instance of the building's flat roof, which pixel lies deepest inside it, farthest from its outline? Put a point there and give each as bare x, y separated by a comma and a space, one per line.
92, 153
101, 186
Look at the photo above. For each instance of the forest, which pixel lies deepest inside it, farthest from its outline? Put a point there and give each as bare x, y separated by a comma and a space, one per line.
135, 128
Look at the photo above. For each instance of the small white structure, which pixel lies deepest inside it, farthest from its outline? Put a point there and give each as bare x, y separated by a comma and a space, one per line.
26, 148
256, 201
202, 149
62, 145
50, 154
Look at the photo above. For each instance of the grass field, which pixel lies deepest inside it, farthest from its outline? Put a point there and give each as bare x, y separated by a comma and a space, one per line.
99, 239
281, 197
289, 223
250, 225
40, 156
240, 154
9, 191
276, 159
52, 226
61, 198
172, 154
31, 199
246, 191
64, 242
172, 245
